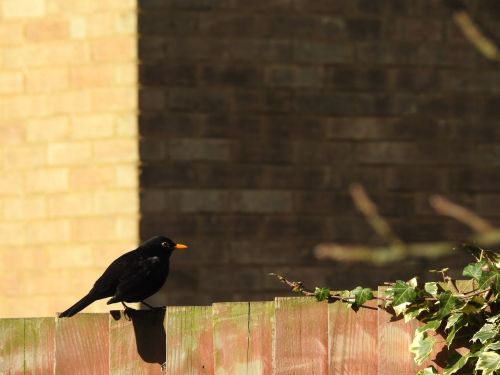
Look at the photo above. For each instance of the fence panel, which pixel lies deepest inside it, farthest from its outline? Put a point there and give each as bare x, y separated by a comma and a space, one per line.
301, 336
82, 344
189, 340
353, 339
136, 342
243, 337
289, 336
12, 346
395, 337
39, 345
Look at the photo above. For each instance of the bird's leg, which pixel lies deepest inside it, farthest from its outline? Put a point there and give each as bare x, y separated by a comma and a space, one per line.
126, 311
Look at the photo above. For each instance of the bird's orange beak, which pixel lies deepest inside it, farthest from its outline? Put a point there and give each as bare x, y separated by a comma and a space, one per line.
180, 246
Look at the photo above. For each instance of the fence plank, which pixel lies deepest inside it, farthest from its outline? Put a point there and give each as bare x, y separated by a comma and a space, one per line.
243, 337
39, 347
395, 337
137, 343
353, 339
301, 336
189, 340
261, 336
12, 346
82, 344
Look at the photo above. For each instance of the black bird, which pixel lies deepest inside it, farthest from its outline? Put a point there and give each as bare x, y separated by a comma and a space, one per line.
132, 277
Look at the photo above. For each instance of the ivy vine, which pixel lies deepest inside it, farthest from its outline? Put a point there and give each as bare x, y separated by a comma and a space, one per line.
470, 318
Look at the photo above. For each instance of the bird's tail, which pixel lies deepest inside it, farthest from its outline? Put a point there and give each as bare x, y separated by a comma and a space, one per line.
80, 305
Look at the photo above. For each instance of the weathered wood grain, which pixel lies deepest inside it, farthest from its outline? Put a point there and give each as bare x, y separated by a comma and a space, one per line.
395, 337
27, 346
243, 337
189, 340
261, 336
353, 339
301, 336
136, 342
12, 346
39, 346
82, 345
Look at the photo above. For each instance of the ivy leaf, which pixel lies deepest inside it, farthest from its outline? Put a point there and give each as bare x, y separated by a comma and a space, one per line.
488, 362
403, 293
321, 293
452, 320
492, 346
431, 288
461, 362
456, 326
428, 371
413, 282
447, 302
474, 270
486, 332
494, 318
413, 312
421, 347
362, 295
474, 305
490, 279
400, 308
432, 325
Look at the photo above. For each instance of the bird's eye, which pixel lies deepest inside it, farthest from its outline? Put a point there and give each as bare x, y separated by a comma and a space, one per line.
164, 244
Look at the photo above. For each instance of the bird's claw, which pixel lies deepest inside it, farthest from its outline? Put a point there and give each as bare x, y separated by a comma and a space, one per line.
127, 312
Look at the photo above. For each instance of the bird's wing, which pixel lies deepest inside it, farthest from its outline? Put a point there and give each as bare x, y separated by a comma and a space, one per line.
137, 278
110, 278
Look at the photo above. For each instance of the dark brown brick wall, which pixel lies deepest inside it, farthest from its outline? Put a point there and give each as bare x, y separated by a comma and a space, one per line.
255, 116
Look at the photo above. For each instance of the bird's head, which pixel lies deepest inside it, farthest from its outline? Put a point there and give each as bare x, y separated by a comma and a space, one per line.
162, 242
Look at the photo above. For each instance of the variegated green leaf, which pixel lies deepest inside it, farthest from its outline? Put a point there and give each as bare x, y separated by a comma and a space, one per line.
403, 293
421, 347
486, 332
488, 363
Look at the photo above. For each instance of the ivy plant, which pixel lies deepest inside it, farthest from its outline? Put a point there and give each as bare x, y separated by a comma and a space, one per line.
470, 317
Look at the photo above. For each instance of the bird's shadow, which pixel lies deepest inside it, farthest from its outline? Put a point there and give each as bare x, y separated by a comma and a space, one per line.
149, 333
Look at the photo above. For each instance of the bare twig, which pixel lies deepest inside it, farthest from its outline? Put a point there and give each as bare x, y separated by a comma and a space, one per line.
386, 254
383, 254
396, 250
446, 207
369, 209
297, 287
472, 31
476, 292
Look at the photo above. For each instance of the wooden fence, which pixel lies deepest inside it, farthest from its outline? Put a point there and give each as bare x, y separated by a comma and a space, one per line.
287, 336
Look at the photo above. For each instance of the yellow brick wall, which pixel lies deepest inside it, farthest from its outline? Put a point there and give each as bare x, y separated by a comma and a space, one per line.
68, 148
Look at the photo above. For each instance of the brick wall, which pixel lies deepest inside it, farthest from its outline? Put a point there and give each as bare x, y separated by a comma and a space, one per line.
68, 148
238, 133
257, 115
